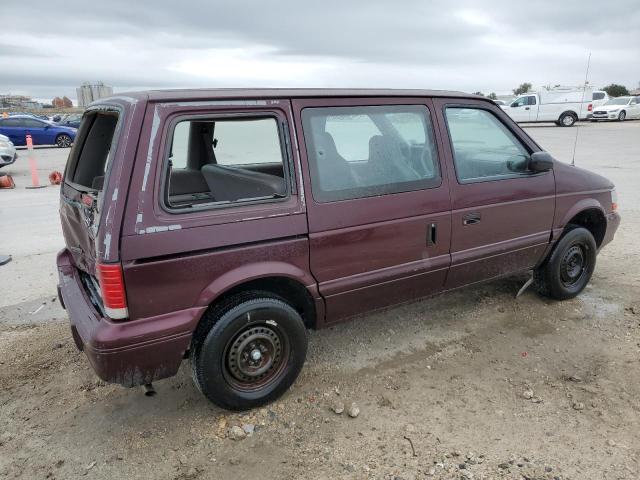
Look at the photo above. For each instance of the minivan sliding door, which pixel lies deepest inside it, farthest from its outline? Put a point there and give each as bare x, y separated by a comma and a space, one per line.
377, 200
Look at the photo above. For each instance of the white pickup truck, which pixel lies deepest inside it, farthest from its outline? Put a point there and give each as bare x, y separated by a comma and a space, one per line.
563, 106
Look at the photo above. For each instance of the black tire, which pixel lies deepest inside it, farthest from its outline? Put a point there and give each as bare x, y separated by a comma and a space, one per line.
63, 140
568, 269
248, 350
622, 116
567, 120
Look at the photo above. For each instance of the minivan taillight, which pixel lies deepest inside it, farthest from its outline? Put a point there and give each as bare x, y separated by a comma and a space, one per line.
590, 107
114, 297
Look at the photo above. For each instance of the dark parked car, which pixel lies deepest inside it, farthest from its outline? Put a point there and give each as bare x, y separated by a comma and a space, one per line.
69, 121
218, 225
42, 132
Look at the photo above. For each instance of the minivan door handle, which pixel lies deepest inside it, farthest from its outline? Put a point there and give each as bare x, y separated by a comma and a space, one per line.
431, 235
471, 218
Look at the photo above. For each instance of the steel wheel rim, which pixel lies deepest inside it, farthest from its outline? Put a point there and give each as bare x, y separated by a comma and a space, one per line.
567, 120
255, 357
573, 266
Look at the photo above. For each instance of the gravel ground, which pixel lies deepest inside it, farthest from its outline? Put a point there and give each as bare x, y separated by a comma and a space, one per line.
470, 384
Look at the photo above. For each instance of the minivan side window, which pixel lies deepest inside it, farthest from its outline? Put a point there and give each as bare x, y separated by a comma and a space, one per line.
224, 161
358, 152
483, 147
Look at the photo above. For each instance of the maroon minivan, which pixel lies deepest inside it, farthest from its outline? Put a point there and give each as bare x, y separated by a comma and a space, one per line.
218, 225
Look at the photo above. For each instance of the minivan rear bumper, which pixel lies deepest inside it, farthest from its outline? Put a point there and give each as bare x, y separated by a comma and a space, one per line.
134, 352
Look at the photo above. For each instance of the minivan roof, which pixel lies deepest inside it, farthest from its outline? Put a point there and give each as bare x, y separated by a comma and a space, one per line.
200, 94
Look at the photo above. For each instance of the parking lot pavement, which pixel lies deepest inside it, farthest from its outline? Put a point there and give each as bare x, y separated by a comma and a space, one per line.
611, 149
470, 384
31, 231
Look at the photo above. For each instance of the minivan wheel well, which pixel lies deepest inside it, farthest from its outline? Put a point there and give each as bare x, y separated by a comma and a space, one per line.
289, 290
594, 221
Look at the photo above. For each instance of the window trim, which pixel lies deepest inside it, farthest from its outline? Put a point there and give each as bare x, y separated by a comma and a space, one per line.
311, 164
525, 144
285, 149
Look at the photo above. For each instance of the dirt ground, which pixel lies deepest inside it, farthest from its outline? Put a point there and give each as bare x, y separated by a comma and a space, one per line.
470, 384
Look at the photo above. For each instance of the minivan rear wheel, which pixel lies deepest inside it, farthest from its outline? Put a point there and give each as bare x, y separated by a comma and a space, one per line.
248, 350
63, 140
568, 269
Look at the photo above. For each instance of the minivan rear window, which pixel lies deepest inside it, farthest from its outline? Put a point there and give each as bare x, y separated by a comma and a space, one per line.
218, 162
88, 164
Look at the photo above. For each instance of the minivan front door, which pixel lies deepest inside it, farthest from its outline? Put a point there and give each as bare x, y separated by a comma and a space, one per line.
377, 201
502, 214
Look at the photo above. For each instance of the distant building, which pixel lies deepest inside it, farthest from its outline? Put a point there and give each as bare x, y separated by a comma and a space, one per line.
18, 102
63, 102
90, 92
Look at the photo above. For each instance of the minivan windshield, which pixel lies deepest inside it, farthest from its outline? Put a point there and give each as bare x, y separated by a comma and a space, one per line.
618, 101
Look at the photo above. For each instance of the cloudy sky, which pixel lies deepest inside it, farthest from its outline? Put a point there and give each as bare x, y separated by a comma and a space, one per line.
48, 48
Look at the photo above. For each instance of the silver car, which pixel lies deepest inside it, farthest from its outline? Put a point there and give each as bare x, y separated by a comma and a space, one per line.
8, 153
620, 108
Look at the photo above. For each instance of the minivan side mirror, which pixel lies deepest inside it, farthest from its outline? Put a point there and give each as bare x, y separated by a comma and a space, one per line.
540, 162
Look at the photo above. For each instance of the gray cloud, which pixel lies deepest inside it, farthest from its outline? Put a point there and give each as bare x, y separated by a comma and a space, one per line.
491, 45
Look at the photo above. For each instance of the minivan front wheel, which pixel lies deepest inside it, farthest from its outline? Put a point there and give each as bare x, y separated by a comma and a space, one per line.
63, 140
248, 350
568, 269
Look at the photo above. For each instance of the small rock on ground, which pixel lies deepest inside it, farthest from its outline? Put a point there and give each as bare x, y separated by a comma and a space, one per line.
248, 428
337, 407
236, 433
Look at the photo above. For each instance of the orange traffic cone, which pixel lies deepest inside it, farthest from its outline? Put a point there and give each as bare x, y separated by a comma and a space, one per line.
55, 178
33, 166
7, 182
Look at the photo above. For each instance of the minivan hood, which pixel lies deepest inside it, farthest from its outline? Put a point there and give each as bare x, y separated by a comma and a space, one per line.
571, 179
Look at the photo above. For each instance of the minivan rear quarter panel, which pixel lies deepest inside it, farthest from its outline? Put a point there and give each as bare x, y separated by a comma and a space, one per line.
175, 261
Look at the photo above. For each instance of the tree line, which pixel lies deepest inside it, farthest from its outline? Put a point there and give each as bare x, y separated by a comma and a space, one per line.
613, 90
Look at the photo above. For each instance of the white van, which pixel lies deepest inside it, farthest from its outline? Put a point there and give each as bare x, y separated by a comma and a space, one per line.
563, 106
